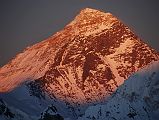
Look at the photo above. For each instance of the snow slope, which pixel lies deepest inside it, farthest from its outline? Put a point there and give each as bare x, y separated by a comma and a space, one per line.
137, 99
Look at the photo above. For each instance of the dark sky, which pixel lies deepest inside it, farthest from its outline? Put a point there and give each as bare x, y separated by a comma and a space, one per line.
26, 22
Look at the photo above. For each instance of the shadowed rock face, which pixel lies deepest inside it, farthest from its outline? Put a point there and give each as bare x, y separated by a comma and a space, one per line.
83, 63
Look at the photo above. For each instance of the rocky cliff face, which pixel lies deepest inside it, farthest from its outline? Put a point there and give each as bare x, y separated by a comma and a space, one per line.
82, 64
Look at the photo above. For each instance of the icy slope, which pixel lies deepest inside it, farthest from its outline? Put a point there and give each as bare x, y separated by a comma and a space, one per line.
137, 99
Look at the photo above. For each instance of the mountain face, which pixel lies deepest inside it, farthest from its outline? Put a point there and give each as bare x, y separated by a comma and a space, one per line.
136, 99
80, 65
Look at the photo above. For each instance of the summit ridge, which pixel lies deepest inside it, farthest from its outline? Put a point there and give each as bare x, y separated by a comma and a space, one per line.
92, 11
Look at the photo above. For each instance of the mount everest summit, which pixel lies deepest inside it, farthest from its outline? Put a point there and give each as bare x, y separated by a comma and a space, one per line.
88, 63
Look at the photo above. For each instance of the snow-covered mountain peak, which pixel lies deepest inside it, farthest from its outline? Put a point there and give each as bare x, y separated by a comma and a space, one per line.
95, 42
90, 21
89, 12
82, 64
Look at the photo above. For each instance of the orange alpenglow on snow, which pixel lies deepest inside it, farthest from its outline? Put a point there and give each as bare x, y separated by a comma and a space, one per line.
84, 62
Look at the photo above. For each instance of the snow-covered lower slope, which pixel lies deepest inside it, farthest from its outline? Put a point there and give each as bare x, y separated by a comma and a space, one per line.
136, 99
23, 105
11, 113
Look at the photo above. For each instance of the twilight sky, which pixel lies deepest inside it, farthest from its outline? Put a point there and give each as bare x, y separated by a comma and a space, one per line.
26, 22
